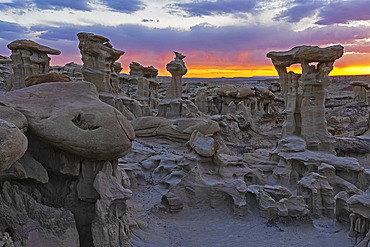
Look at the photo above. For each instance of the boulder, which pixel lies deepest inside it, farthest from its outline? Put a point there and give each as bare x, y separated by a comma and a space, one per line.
13, 144
203, 145
70, 116
42, 78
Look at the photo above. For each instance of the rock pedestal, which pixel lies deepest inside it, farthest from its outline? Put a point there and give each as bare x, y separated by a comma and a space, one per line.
99, 57
177, 69
29, 58
360, 89
304, 99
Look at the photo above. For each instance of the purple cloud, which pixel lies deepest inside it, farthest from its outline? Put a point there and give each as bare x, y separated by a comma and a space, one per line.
344, 11
299, 10
224, 42
200, 8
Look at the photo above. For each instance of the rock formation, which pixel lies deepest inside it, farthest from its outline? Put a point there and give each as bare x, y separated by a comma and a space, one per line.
137, 70
72, 70
74, 141
29, 58
304, 100
177, 69
6, 72
360, 89
42, 78
98, 57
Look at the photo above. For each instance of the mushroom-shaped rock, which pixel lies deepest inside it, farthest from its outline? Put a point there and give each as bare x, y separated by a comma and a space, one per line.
28, 58
13, 144
137, 70
227, 90
42, 78
71, 117
177, 69
308, 54
98, 57
245, 92
23, 44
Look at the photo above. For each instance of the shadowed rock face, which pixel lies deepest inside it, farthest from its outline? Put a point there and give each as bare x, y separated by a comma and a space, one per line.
29, 58
304, 100
177, 69
98, 57
71, 117
13, 144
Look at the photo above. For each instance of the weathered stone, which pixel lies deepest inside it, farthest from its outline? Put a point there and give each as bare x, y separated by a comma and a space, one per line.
42, 78
307, 54
70, 116
177, 69
203, 145
319, 195
29, 58
34, 224
304, 109
137, 70
98, 57
177, 129
15, 117
110, 226
13, 144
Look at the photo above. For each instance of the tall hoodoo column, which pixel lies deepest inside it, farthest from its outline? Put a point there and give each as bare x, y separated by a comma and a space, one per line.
177, 69
305, 98
98, 57
29, 58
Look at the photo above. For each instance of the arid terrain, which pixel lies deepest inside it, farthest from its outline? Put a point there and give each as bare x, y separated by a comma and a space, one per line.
92, 157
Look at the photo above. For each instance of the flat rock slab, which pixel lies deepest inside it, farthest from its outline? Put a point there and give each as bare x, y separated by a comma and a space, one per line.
32, 46
299, 54
70, 116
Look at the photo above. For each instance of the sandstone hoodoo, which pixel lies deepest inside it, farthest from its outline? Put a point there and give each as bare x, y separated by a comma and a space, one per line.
29, 58
98, 56
304, 109
177, 69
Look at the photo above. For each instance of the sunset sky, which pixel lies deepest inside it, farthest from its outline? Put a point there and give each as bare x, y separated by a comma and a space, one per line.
227, 38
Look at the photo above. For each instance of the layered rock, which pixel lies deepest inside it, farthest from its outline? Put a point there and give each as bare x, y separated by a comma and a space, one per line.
99, 56
6, 72
318, 194
138, 70
29, 58
74, 141
244, 99
72, 70
42, 78
304, 109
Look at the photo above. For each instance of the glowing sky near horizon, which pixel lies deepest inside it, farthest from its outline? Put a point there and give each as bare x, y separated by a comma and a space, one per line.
227, 38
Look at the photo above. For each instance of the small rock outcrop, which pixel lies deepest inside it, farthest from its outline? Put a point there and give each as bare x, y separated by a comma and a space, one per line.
29, 58
138, 70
